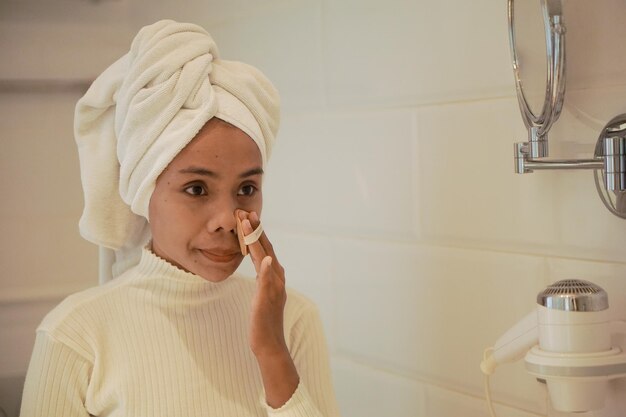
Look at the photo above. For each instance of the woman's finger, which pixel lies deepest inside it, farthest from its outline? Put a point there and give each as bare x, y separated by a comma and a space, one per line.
264, 240
267, 245
257, 252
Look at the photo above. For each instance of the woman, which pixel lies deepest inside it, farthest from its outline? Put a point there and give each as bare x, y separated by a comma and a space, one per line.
172, 143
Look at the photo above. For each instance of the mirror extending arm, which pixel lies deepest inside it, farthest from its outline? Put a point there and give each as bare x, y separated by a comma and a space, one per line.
525, 165
609, 156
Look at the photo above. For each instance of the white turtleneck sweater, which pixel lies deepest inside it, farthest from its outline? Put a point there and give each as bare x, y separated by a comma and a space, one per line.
158, 341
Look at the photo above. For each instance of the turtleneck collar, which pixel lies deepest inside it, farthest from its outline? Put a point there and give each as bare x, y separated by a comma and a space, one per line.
155, 269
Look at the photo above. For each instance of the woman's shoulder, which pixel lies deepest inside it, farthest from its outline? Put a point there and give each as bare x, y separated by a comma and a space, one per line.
81, 306
79, 319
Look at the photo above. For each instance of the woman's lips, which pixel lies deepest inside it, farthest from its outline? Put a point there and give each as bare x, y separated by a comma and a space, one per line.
220, 256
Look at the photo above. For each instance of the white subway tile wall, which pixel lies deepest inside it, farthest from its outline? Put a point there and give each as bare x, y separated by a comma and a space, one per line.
442, 402
406, 172
345, 174
391, 198
416, 309
407, 52
395, 395
285, 43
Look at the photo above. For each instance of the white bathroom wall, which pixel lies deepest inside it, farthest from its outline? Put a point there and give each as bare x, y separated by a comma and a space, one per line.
390, 198
394, 172
49, 51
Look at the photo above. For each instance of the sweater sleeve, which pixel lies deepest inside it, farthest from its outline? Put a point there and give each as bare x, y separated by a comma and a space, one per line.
314, 396
56, 381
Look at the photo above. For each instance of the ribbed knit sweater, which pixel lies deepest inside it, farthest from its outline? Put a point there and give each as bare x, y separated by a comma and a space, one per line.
158, 341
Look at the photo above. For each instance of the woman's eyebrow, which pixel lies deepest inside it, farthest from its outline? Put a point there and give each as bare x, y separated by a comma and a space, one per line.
251, 172
208, 173
199, 171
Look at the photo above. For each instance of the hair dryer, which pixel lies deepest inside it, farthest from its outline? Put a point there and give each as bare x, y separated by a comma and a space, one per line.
566, 341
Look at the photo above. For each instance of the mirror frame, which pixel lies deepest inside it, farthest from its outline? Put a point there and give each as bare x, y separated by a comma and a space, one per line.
539, 125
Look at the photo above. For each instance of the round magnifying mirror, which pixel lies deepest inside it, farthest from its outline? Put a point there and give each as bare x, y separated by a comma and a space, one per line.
536, 37
531, 58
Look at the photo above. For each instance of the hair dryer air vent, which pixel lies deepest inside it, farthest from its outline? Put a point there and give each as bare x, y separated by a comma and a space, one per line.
574, 295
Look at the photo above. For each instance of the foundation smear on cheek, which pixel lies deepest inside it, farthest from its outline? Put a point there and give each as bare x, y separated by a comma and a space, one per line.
244, 240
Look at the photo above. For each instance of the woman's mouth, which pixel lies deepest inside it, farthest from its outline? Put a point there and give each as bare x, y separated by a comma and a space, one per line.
219, 256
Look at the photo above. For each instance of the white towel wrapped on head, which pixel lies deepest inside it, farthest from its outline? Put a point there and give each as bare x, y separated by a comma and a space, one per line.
143, 110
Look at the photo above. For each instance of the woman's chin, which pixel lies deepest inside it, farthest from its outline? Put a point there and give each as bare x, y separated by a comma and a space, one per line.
217, 270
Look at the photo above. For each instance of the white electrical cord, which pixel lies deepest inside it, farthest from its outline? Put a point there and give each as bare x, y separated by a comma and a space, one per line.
492, 412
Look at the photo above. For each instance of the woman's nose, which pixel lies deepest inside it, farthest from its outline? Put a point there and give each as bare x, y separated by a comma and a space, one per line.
222, 217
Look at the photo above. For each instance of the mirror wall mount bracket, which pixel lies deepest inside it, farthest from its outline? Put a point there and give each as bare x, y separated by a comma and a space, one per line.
526, 165
608, 163
532, 155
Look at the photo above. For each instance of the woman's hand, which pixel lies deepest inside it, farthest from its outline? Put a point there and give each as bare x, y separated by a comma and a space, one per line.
267, 338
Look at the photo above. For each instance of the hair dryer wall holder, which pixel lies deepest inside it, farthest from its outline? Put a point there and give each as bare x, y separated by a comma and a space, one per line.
577, 382
610, 364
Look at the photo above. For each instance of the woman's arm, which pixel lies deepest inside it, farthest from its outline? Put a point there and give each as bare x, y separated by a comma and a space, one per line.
56, 381
288, 394
267, 339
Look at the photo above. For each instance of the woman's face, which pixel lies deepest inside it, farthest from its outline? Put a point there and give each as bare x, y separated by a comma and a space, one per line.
192, 208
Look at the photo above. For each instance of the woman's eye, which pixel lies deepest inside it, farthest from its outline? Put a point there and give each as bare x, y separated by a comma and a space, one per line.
195, 190
247, 190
